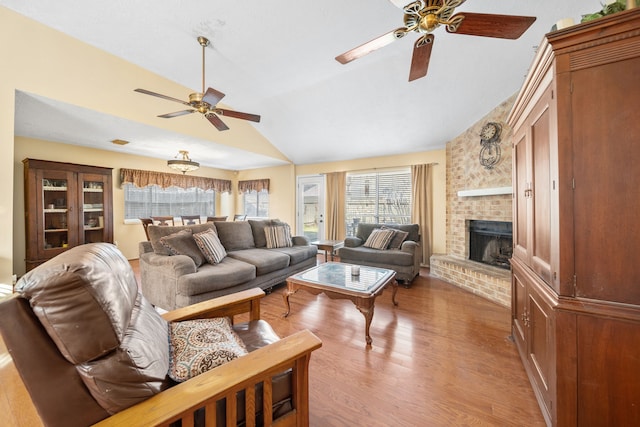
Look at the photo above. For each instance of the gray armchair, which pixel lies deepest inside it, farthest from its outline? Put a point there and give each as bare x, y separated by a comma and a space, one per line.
405, 260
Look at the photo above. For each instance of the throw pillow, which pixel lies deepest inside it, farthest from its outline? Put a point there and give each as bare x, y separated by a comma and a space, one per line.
196, 346
399, 237
379, 239
278, 236
210, 246
182, 243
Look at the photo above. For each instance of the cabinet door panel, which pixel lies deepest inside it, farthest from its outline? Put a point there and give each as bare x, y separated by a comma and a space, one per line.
520, 199
607, 203
541, 220
518, 310
541, 346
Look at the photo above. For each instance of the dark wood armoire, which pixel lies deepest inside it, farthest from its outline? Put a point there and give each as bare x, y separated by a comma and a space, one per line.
576, 228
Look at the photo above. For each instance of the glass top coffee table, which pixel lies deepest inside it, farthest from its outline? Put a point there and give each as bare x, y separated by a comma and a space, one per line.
335, 280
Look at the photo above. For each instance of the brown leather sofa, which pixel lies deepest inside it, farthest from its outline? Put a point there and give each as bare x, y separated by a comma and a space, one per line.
90, 349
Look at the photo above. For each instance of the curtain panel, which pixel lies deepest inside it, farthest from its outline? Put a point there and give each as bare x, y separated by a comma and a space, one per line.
336, 202
141, 178
253, 184
422, 206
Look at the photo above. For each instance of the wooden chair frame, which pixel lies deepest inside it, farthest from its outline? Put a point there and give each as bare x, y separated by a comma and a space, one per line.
181, 401
190, 219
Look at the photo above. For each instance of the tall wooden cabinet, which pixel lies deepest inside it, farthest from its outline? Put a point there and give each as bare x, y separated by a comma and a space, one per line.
65, 205
576, 258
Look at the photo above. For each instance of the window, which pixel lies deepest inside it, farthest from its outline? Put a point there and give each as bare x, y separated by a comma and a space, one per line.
256, 203
378, 197
153, 200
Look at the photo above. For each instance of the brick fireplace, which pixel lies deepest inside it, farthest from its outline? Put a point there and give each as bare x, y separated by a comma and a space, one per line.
475, 193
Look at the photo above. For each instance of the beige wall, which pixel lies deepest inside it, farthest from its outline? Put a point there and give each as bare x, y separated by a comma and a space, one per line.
282, 188
40, 60
126, 235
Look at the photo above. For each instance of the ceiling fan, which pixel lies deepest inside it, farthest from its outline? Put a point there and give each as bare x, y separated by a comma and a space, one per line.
424, 16
204, 102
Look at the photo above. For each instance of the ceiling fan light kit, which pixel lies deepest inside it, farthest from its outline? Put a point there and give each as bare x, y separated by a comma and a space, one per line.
425, 16
183, 164
204, 102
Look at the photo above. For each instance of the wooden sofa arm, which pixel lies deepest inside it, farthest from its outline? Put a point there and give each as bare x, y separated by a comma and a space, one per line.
229, 305
180, 402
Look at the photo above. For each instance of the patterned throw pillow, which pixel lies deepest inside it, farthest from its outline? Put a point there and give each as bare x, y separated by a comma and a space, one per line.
196, 346
278, 236
182, 243
379, 239
399, 237
210, 246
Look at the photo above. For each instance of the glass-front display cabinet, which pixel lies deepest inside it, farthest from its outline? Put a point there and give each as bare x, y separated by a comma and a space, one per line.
65, 205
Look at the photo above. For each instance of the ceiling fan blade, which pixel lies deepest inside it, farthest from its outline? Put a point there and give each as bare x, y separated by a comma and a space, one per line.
215, 120
421, 55
168, 98
238, 115
212, 96
490, 25
372, 45
176, 114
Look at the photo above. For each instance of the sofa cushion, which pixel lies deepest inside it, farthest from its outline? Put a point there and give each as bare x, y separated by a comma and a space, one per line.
298, 254
368, 255
182, 243
399, 236
364, 229
210, 246
137, 369
379, 239
235, 235
156, 232
264, 260
257, 228
278, 236
197, 346
227, 273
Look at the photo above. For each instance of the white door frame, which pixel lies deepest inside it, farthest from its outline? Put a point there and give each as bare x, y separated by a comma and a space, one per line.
303, 180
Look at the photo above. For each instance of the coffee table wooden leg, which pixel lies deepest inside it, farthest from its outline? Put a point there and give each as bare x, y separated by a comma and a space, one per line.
285, 294
367, 312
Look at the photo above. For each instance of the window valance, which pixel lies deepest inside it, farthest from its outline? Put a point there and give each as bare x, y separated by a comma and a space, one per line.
141, 178
253, 185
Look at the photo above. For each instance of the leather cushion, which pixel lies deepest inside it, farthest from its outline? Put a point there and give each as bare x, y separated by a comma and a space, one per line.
137, 369
84, 298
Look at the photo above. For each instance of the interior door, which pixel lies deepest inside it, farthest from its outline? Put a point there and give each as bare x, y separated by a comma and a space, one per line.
310, 207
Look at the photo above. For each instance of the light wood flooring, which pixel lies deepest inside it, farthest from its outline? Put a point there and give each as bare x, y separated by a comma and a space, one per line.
443, 357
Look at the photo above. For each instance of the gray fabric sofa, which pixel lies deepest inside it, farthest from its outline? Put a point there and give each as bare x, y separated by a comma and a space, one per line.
405, 261
174, 281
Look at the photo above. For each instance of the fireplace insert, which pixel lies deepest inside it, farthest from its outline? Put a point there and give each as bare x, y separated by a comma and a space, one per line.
491, 242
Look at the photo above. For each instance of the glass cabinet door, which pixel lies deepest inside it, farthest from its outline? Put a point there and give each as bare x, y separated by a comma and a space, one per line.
56, 212
93, 208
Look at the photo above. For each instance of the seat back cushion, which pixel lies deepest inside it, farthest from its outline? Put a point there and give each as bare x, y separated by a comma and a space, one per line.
258, 229
235, 235
156, 232
87, 300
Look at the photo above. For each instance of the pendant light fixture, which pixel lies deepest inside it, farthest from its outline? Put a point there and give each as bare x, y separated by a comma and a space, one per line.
183, 164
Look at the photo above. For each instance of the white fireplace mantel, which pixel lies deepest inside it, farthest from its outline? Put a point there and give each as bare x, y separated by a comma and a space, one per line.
485, 192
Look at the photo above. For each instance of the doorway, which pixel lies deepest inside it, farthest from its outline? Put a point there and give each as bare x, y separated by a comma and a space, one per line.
310, 207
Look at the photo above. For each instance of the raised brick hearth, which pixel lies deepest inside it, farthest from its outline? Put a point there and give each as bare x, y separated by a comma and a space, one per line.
465, 173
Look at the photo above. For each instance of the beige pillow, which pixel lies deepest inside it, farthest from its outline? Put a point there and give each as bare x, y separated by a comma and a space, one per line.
278, 236
379, 239
210, 246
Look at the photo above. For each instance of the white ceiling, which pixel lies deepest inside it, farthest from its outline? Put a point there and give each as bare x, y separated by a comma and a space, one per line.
276, 58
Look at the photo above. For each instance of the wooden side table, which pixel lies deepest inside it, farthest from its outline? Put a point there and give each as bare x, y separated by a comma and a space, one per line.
328, 246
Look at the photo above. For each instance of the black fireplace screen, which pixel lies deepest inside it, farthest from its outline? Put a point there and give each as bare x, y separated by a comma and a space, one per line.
491, 242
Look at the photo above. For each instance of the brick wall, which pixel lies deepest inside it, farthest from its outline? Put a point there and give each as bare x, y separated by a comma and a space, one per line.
464, 172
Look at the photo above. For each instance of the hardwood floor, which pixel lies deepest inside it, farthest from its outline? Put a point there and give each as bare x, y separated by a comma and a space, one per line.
443, 357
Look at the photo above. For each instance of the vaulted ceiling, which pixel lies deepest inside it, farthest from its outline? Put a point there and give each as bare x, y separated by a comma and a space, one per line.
276, 58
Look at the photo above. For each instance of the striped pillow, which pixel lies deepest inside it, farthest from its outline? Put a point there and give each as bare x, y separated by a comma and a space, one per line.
210, 246
278, 236
379, 239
